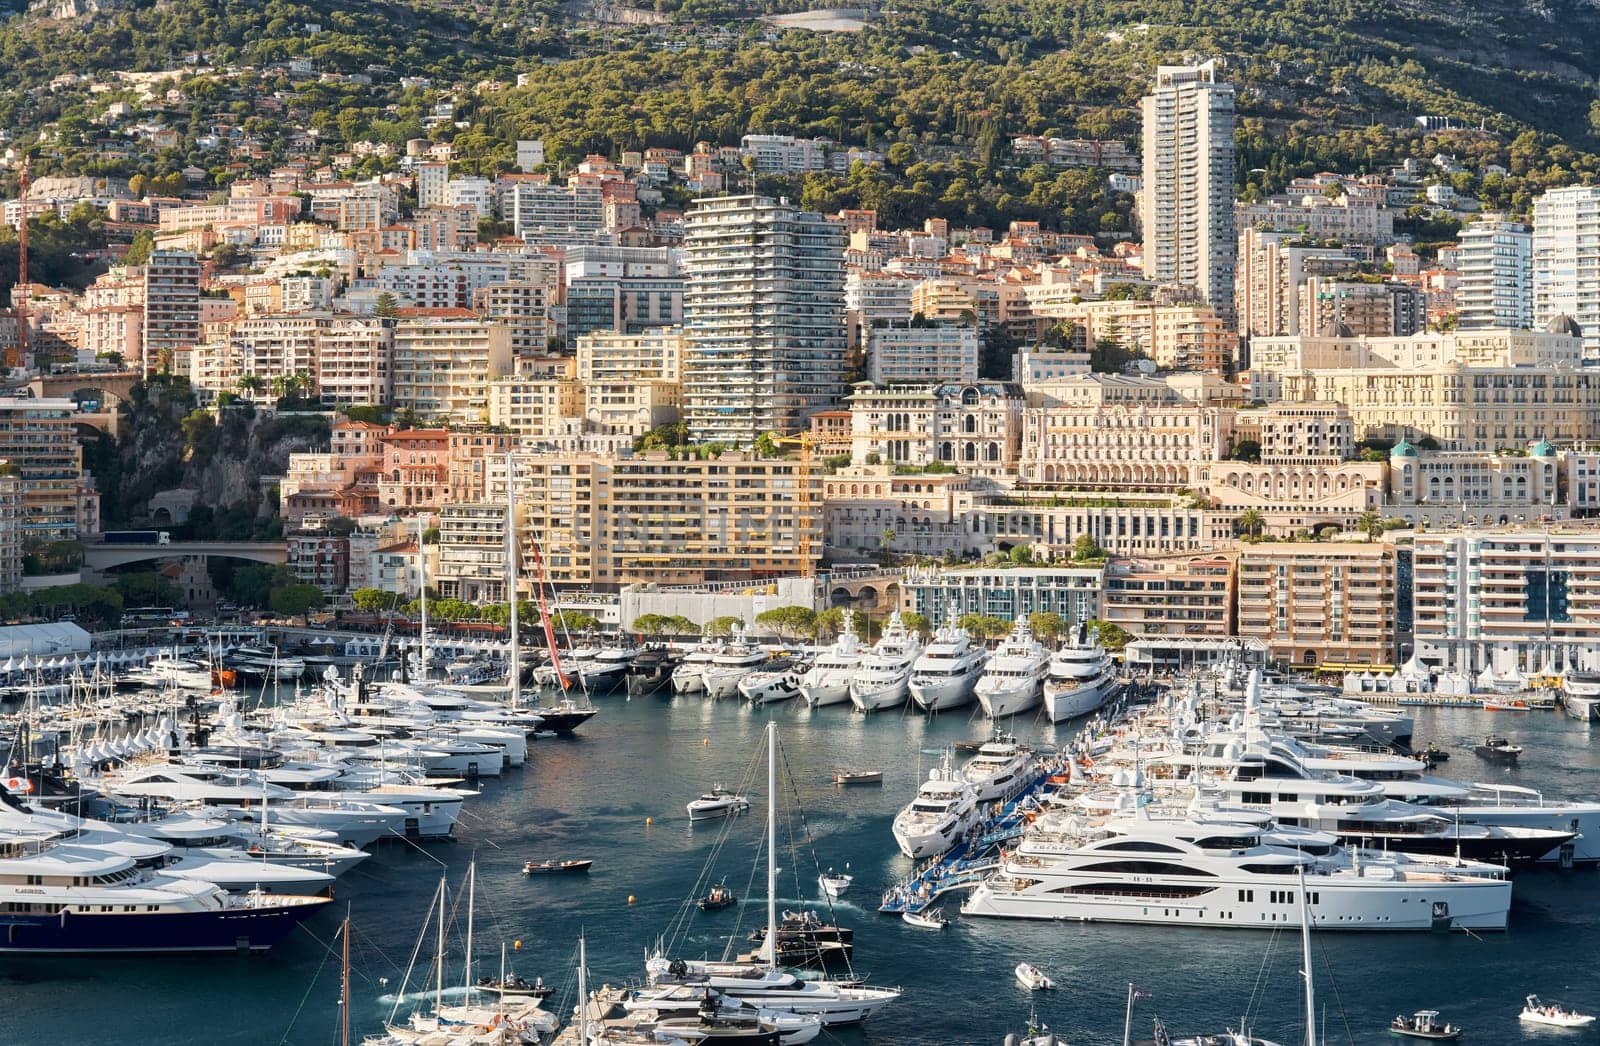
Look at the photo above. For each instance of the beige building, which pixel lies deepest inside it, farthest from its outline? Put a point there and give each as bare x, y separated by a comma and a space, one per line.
11, 510
1470, 390
1320, 604
472, 553
445, 361
1121, 447
1176, 337
605, 522
871, 508
975, 427
1182, 595
353, 354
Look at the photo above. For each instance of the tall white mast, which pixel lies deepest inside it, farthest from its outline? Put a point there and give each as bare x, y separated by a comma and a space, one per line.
472, 897
772, 843
511, 579
583, 995
1305, 958
438, 998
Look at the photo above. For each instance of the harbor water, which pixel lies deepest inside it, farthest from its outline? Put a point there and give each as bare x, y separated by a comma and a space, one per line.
615, 794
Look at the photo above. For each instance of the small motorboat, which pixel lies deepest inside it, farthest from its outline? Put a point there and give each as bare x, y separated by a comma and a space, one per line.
835, 883
1424, 1024
927, 919
1033, 978
514, 985
1492, 704
858, 777
1553, 1015
719, 802
555, 867
1497, 749
719, 898
1433, 755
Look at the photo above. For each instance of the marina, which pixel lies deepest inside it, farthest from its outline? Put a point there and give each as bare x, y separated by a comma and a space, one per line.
577, 793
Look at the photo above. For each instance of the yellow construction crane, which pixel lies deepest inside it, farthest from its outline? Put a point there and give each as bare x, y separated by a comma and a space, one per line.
805, 441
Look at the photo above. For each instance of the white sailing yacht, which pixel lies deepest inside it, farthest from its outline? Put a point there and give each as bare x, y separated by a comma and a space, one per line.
885, 670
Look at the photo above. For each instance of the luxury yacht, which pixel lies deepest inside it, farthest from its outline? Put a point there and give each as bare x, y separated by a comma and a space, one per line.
946, 673
885, 670
688, 677
999, 770
945, 809
731, 664
828, 681
1195, 871
1580, 695
1082, 677
607, 670
1014, 677
836, 1003
775, 681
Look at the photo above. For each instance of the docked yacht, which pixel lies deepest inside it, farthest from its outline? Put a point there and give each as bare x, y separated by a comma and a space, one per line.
999, 770
1081, 677
1580, 695
719, 802
66, 900
948, 670
651, 671
834, 1002
688, 676
731, 664
776, 681
1194, 871
944, 810
174, 672
607, 670
885, 670
828, 680
1014, 678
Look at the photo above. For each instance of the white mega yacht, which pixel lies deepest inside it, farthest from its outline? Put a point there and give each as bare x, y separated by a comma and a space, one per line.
688, 677
828, 680
1081, 677
735, 661
885, 670
1196, 871
946, 673
945, 809
1580, 695
999, 770
1014, 678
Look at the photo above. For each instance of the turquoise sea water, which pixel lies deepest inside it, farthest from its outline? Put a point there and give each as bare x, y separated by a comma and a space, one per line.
643, 759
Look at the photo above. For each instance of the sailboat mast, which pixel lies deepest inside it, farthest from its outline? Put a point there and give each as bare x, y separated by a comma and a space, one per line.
583, 995
344, 985
438, 998
514, 661
1305, 959
1127, 1017
472, 896
772, 843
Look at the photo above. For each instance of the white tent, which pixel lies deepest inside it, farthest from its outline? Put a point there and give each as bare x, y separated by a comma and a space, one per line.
43, 642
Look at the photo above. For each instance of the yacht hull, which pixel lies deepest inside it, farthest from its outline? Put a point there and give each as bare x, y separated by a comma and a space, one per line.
827, 692
1000, 702
1062, 703
1583, 708
145, 933
930, 841
892, 695
1478, 905
938, 697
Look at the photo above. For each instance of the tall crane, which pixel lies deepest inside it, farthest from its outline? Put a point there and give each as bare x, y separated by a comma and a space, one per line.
802, 501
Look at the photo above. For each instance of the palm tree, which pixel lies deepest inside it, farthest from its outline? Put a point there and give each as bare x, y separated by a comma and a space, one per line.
1370, 524
1250, 523
251, 384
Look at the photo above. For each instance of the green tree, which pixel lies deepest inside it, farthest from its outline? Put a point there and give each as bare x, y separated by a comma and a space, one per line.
1021, 555
1047, 625
886, 539
385, 304
144, 241
983, 626
1086, 548
296, 600
1112, 636
373, 600
1370, 524
830, 623
723, 626
1250, 523
574, 621
917, 624
791, 622
650, 624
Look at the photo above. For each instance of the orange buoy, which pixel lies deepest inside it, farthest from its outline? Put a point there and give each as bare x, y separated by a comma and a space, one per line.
705, 742
516, 946
648, 821
630, 898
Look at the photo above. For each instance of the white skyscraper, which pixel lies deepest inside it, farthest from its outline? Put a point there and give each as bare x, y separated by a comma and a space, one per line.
1566, 260
1495, 269
763, 308
433, 181
1186, 205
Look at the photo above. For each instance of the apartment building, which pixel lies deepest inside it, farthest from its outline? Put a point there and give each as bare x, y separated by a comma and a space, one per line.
919, 354
1362, 308
1137, 447
352, 364
472, 553
872, 508
40, 441
975, 427
171, 322
1566, 282
1508, 602
764, 313
1074, 593
416, 470
471, 451
1186, 204
1320, 604
1494, 285
1184, 595
444, 362
11, 516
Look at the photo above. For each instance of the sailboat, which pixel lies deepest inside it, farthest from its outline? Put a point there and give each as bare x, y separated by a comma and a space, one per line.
762, 984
